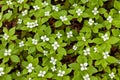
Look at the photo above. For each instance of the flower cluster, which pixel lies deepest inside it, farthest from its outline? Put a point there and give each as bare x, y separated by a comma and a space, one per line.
52, 39
30, 67
2, 71
32, 24
60, 73
84, 66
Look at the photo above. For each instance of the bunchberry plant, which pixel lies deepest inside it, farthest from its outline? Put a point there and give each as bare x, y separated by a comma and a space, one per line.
59, 39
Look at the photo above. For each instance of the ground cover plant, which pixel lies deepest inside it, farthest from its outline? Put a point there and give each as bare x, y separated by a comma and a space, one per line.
59, 40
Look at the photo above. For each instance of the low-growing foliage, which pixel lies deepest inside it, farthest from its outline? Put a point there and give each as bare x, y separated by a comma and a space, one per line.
59, 39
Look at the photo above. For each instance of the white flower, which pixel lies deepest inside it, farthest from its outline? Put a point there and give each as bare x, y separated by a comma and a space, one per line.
45, 52
105, 55
1, 71
44, 3
79, 12
34, 41
8, 2
83, 38
19, 21
86, 77
53, 68
60, 73
90, 22
87, 51
87, 0
32, 24
74, 5
35, 23
24, 12
55, 45
53, 60
18, 73
20, 1
30, 67
58, 35
5, 36
44, 38
95, 23
119, 62
105, 37
74, 47
21, 44
69, 34
7, 52
55, 8
119, 12
30, 79
47, 13
119, 35
63, 18
95, 49
41, 73
36, 7
9, 11
109, 19
95, 11
84, 66
112, 75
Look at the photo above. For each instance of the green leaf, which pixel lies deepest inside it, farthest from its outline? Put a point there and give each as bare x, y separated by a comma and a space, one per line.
4, 7
68, 71
8, 69
116, 23
113, 40
67, 22
117, 5
72, 11
58, 23
104, 63
14, 58
43, 20
7, 77
66, 78
85, 29
94, 78
83, 1
97, 40
92, 70
29, 58
55, 15
49, 75
115, 32
39, 48
74, 66
5, 30
12, 31
5, 59
35, 61
71, 1
98, 62
13, 37
63, 13
7, 15
48, 30
112, 59
61, 51
31, 49
0, 24
95, 56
